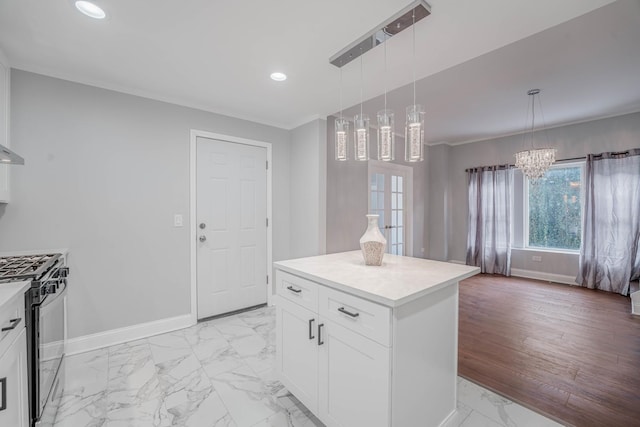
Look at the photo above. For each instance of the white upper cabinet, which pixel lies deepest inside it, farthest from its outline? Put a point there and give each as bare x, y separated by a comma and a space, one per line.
4, 125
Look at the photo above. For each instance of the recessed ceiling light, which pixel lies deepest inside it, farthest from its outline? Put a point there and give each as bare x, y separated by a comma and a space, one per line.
90, 9
279, 77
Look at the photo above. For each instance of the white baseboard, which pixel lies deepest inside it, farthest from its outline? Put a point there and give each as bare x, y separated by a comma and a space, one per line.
635, 303
540, 275
129, 333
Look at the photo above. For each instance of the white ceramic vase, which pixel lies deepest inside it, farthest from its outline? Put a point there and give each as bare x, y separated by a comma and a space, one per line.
372, 242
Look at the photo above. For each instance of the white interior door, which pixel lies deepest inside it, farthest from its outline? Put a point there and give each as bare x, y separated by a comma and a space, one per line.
391, 197
231, 215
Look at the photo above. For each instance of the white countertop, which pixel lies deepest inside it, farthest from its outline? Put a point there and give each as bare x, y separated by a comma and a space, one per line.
397, 281
9, 290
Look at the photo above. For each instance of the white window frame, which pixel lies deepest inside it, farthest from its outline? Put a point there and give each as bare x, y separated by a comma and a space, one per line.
525, 222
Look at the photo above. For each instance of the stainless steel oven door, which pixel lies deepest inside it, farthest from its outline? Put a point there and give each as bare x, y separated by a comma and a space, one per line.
51, 321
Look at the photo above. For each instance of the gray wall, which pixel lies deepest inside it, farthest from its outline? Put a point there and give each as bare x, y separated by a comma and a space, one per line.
347, 197
308, 189
612, 134
105, 173
437, 197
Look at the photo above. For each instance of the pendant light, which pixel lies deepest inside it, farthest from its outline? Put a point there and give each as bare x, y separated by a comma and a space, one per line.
414, 128
386, 128
361, 127
535, 162
342, 132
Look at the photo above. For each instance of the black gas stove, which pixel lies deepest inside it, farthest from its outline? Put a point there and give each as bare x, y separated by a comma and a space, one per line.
45, 323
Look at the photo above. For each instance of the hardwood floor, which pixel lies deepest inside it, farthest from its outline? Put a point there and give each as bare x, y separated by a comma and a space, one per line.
570, 353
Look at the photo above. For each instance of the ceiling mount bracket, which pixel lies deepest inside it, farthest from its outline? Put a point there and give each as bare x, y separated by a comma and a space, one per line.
397, 23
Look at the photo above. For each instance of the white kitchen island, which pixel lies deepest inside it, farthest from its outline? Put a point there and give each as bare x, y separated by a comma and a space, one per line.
365, 346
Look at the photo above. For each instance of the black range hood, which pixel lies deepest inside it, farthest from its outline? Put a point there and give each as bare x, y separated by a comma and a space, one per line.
8, 157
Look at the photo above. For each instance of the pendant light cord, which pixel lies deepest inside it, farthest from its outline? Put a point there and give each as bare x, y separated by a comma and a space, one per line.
361, 83
414, 56
533, 119
385, 71
340, 92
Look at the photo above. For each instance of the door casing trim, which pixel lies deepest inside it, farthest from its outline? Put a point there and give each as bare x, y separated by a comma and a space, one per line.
192, 210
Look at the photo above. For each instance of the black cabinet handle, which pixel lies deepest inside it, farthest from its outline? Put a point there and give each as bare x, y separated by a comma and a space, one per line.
348, 313
320, 326
292, 289
311, 328
14, 323
3, 386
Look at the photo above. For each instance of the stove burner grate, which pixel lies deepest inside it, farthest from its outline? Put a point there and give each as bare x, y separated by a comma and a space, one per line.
22, 267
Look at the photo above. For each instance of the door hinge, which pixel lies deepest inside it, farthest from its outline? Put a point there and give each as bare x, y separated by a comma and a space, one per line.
267, 222
267, 162
267, 279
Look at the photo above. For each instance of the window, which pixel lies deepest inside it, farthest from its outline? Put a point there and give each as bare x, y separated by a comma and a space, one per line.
554, 209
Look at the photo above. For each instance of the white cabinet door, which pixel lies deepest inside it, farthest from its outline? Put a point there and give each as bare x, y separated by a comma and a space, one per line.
354, 379
297, 351
13, 384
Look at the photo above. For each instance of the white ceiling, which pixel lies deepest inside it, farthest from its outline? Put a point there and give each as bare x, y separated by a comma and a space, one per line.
217, 56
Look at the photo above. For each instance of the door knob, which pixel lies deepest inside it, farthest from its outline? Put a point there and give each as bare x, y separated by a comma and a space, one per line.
202, 238
202, 225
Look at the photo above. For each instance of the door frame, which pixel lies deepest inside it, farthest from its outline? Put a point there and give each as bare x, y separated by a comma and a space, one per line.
192, 209
377, 166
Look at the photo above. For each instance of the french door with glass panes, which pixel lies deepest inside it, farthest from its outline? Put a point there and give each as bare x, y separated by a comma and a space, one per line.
390, 197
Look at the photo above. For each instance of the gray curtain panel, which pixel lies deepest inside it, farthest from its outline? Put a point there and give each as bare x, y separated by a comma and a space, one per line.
609, 257
489, 235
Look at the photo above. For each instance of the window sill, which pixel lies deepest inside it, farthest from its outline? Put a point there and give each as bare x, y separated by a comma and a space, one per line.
553, 251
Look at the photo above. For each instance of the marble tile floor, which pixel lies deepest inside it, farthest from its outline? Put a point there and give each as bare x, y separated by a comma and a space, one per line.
220, 373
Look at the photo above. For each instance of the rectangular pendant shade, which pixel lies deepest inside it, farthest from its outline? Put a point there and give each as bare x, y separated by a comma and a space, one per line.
386, 135
342, 139
361, 135
414, 134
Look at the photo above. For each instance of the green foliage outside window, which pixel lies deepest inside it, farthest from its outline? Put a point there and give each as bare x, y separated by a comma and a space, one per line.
555, 209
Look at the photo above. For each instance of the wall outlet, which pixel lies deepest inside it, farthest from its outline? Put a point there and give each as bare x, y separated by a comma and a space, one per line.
536, 258
177, 220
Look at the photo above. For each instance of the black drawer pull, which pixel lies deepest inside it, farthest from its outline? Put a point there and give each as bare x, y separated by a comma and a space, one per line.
292, 289
311, 329
14, 323
348, 313
3, 386
320, 326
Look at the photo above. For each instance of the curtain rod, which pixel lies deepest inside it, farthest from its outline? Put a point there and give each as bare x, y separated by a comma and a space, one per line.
570, 159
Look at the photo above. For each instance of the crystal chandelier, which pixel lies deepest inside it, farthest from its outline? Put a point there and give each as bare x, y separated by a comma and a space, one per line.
535, 162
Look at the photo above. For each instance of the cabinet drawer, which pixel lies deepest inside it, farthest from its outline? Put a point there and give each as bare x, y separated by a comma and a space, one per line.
364, 317
298, 290
14, 309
